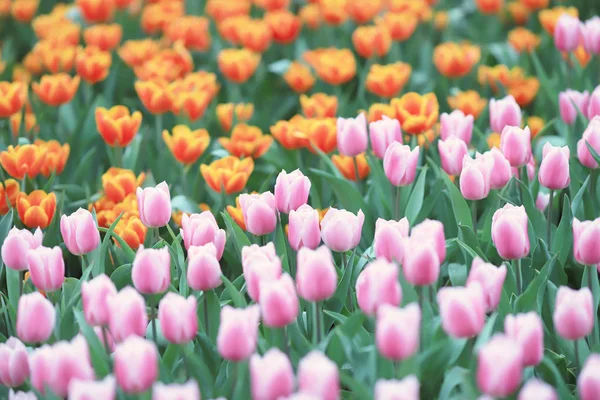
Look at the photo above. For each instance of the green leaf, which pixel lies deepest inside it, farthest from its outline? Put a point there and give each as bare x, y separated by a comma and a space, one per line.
453, 379
185, 204
338, 300
238, 299
593, 152
281, 246
537, 219
240, 240
553, 376
457, 274
198, 369
532, 297
211, 300
358, 390
97, 352
415, 201
546, 128
121, 276
563, 240
486, 332
132, 152
98, 263
578, 199
382, 185
12, 281
462, 213
170, 356
545, 82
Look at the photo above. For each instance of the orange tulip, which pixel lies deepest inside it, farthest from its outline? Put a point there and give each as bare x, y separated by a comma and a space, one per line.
425, 139
186, 145
154, 95
255, 35
535, 124
57, 89
311, 15
493, 140
228, 28
225, 113
199, 80
498, 75
56, 28
33, 63
285, 26
387, 80
469, 102
246, 141
96, 10
440, 20
56, 56
272, 5
236, 213
378, 110
117, 125
8, 190
334, 11
191, 103
137, 52
549, 17
119, 182
106, 37
333, 66
229, 174
24, 10
582, 56
289, 135
107, 210
93, 64
523, 90
13, 96
192, 31
20, 74
416, 113
401, 25
489, 6
36, 209
221, 9
131, 229
30, 123
518, 12
168, 64
56, 156
299, 77
455, 60
156, 17
371, 41
322, 134
319, 105
535, 4
238, 65
363, 11
346, 166
27, 159
123, 4
522, 39
418, 8
4, 7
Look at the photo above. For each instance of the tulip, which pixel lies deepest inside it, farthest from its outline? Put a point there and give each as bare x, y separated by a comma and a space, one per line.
14, 363
590, 32
535, 389
319, 376
567, 33
574, 313
303, 228
16, 246
397, 331
376, 285
593, 108
588, 382
554, 169
151, 270
93, 390
47, 268
238, 332
316, 276
136, 365
462, 310
400, 164
590, 136
527, 330
178, 318
504, 112
388, 238
421, 263
341, 230
204, 271
94, 298
491, 279
258, 269
509, 232
291, 190
278, 301
570, 102
35, 318
452, 152
105, 338
352, 136
542, 201
154, 205
383, 133
127, 314
515, 144
432, 230
405, 389
585, 238
185, 391
499, 366
259, 212
199, 229
475, 178
12, 395
79, 232
456, 124
501, 170
271, 376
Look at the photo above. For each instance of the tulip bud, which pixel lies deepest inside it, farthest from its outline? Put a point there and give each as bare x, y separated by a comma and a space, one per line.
567, 33
376, 285
259, 212
352, 135
590, 32
590, 136
47, 268
178, 318
316, 276
588, 382
319, 376
278, 301
388, 238
200, 229
136, 365
475, 178
504, 112
341, 230
407, 389
238, 332
452, 152
421, 264
185, 391
16, 246
397, 331
491, 279
151, 270
271, 375
527, 330
570, 102
303, 229
127, 314
432, 230
542, 201
462, 310
574, 313
515, 144
456, 124
35, 318
154, 205
499, 366
105, 389
585, 241
291, 190
593, 108
501, 169
554, 169
383, 133
14, 363
94, 297
258, 270
79, 231
400, 164
509, 232
535, 389
204, 270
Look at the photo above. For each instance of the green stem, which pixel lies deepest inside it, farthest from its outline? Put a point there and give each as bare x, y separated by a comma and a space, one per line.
159, 127
20, 283
549, 225
577, 358
206, 327
105, 339
154, 335
317, 323
517, 264
474, 214
118, 155
356, 174
593, 179
397, 206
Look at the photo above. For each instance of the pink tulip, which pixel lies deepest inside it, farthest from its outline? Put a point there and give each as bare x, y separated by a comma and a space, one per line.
504, 112
271, 375
405, 389
256, 253
35, 318
421, 262
259, 212
397, 331
352, 135
136, 365
542, 201
79, 231
590, 32
103, 333
593, 108
238, 332
452, 152
383, 133
499, 366
291, 190
259, 264
341, 230
400, 164
151, 270
303, 228
456, 124
588, 382
432, 230
475, 178
278, 301
174, 391
554, 169
316, 276
154, 205
105, 389
127, 314
14, 363
200, 229
535, 389
376, 285
515, 144
94, 297
567, 33
204, 270
591, 135
16, 246
300, 396
178, 318
530, 167
12, 395
47, 268
574, 313
462, 310
510, 232
527, 330
585, 241
501, 169
388, 238
570, 103
491, 279
319, 376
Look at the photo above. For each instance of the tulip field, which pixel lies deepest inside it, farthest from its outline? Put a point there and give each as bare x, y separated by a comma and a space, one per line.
299, 199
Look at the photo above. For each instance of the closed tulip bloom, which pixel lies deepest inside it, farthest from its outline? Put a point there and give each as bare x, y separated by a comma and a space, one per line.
259, 264
14, 363
94, 297
303, 228
554, 169
383, 133
491, 279
501, 169
499, 366
35, 318
154, 205
475, 178
404, 389
316, 276
452, 152
79, 231
278, 301
515, 144
574, 313
259, 212
590, 32
585, 241
510, 232
571, 102
588, 382
432, 230
184, 391
204, 270
106, 389
376, 285
178, 318
420, 263
542, 201
136, 365
17, 245
400, 164
397, 331
456, 124
341, 230
238, 332
527, 330
319, 376
291, 190
590, 136
462, 310
47, 268
271, 375
352, 136
535, 389
200, 229
388, 238
504, 112
567, 33
151, 270
127, 314
593, 107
